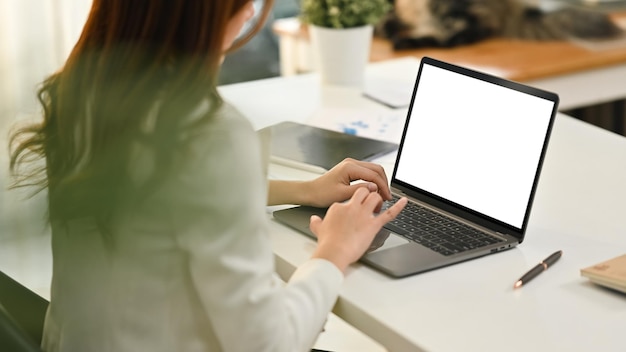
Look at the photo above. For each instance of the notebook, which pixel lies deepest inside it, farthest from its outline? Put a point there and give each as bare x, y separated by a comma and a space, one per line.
469, 162
293, 142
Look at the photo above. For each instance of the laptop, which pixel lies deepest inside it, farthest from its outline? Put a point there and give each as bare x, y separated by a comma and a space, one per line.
468, 161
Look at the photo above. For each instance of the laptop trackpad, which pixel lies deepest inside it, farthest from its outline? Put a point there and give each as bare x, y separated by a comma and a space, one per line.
299, 217
385, 240
398, 256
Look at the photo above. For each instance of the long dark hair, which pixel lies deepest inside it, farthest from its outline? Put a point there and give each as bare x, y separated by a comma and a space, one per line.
134, 59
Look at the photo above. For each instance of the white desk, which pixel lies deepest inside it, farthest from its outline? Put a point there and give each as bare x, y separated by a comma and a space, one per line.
580, 207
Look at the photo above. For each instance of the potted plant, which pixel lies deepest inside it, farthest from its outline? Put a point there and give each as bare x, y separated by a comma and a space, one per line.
341, 34
343, 13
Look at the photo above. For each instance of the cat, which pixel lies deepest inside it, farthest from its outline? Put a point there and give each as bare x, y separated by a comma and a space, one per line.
448, 23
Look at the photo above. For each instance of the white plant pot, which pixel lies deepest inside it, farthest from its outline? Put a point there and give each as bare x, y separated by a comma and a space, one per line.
341, 54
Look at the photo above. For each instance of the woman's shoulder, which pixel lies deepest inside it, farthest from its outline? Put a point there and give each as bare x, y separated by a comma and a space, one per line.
221, 159
225, 137
218, 124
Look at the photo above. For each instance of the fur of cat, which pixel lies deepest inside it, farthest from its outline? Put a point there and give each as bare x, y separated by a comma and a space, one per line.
448, 23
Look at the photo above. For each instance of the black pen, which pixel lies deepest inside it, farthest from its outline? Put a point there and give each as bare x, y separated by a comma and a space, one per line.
538, 269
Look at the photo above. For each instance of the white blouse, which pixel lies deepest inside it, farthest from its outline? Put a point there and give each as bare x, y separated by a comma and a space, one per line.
191, 268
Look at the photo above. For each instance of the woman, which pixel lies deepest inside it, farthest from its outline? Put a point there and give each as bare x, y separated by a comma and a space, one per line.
157, 195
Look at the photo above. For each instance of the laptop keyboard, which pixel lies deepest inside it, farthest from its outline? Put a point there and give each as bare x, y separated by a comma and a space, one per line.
436, 231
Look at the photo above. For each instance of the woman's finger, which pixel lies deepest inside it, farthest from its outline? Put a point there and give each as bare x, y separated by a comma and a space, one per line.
360, 195
373, 202
372, 173
392, 211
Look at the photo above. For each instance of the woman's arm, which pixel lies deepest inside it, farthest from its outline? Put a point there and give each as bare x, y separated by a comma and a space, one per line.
289, 192
334, 186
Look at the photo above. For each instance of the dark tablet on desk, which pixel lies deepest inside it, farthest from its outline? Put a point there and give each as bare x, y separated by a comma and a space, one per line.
321, 147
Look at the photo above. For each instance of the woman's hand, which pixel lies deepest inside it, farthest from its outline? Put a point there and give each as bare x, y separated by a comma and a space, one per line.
333, 186
336, 185
349, 228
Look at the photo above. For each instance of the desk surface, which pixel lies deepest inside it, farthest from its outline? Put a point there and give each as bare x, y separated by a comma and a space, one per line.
579, 208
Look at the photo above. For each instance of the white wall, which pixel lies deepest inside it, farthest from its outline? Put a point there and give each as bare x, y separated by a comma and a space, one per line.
35, 38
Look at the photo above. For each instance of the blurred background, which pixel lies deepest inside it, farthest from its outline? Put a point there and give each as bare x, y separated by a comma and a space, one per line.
37, 35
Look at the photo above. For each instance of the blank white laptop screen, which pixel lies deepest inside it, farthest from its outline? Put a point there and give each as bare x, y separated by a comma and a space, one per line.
474, 143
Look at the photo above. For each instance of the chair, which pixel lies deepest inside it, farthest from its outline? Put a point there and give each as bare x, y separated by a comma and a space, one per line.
12, 337
259, 58
22, 314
